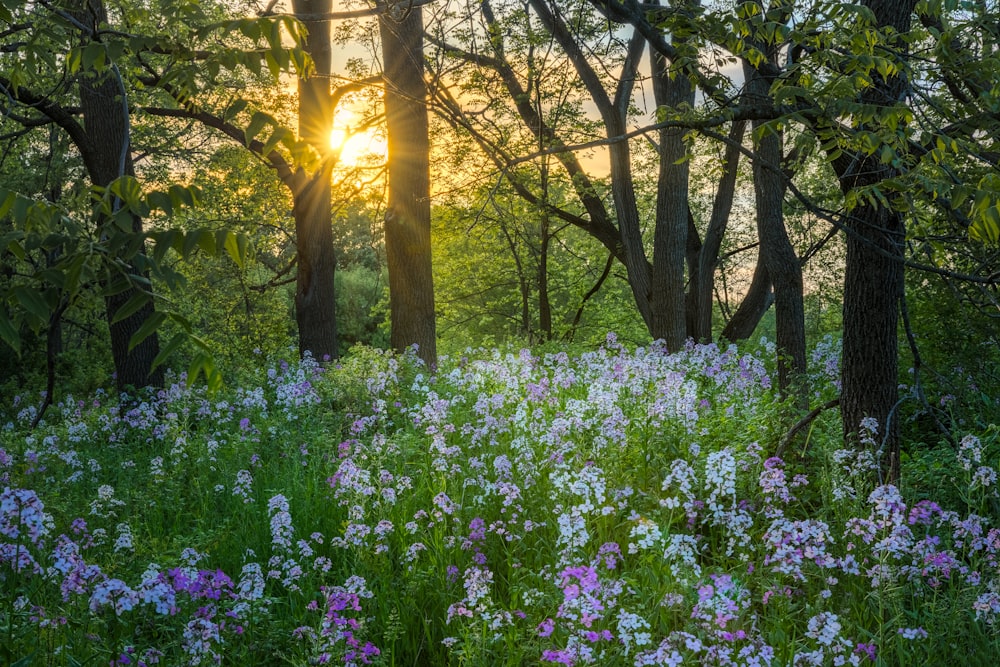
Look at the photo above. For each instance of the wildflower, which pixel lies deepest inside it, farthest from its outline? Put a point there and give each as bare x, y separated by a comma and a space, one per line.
633, 630
611, 553
563, 657
201, 637
866, 650
648, 534
22, 510
124, 541
912, 633
923, 512
113, 593
985, 476
281, 523
243, 486
970, 452
157, 592
824, 628
987, 606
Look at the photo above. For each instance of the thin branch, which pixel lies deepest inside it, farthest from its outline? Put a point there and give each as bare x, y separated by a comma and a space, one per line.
804, 422
276, 161
568, 336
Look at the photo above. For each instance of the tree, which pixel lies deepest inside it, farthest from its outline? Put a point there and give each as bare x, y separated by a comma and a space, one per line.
92, 90
776, 252
670, 234
104, 146
315, 299
574, 34
408, 216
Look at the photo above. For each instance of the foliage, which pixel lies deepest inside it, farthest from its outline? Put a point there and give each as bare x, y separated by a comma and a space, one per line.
52, 54
616, 507
487, 264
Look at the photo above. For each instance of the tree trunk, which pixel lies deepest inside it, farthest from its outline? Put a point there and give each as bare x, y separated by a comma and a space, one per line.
315, 294
776, 250
107, 156
670, 234
703, 279
873, 285
544, 305
753, 306
408, 215
873, 278
692, 257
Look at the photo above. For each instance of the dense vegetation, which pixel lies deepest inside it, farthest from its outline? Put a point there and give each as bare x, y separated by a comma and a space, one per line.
267, 270
616, 507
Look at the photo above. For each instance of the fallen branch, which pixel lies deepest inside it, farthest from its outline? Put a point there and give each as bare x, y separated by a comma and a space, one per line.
805, 421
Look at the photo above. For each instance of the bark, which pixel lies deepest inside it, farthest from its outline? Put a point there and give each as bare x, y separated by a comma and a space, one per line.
708, 259
670, 233
776, 251
873, 278
408, 215
106, 152
544, 305
315, 297
753, 306
692, 256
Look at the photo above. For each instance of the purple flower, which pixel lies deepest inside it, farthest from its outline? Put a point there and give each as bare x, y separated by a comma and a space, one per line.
866, 650
563, 657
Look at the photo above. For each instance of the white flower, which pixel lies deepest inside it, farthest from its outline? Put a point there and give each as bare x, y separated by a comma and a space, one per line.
824, 627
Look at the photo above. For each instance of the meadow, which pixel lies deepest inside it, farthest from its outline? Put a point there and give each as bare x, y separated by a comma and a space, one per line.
615, 507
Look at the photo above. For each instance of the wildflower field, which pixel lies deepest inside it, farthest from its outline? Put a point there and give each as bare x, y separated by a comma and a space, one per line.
619, 507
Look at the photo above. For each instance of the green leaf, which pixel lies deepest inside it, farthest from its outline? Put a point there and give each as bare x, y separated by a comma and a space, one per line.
175, 343
235, 108
280, 134
162, 242
203, 363
184, 324
8, 333
8, 202
32, 301
74, 59
206, 241
128, 190
72, 272
257, 123
184, 196
987, 227
147, 329
132, 306
160, 201
236, 246
9, 239
190, 243
273, 65
95, 56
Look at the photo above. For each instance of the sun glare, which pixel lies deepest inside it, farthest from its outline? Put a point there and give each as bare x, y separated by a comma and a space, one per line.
357, 148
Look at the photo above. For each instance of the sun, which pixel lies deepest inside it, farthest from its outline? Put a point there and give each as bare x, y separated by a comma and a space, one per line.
357, 148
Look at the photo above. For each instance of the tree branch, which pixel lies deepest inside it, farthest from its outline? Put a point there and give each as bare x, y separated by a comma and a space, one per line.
284, 170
